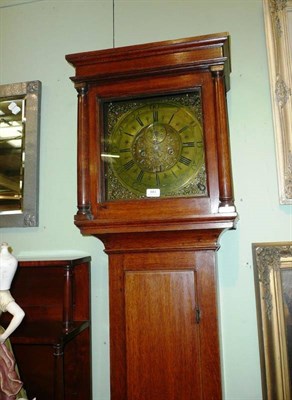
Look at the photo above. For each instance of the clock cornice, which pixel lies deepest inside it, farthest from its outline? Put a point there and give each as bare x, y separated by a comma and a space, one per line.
171, 56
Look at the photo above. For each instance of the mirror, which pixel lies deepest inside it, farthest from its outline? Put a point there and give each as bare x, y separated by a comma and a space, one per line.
19, 153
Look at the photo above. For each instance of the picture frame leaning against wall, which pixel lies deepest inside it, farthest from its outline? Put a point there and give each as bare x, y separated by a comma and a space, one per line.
273, 287
278, 27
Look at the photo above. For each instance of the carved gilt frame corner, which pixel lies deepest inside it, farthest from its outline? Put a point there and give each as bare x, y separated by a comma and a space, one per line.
273, 286
278, 27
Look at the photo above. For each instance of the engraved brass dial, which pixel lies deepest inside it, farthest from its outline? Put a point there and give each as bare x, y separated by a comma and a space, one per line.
155, 145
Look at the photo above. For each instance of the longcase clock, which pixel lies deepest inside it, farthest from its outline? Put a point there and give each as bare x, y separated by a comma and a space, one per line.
155, 186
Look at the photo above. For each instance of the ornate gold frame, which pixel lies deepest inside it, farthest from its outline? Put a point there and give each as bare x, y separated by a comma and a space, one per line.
270, 261
278, 25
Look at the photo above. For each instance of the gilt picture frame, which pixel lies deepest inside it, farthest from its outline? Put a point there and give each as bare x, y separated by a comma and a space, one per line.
273, 287
278, 27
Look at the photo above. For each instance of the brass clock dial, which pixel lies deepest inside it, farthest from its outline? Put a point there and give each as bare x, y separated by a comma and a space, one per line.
154, 148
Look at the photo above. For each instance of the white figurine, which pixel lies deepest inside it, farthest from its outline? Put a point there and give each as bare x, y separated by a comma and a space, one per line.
12, 387
8, 266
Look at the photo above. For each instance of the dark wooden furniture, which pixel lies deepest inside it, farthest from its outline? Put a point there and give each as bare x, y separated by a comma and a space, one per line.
52, 346
162, 251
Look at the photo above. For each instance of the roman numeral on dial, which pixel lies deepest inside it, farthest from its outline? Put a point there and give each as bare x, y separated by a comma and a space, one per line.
184, 160
157, 180
139, 120
140, 176
128, 165
184, 128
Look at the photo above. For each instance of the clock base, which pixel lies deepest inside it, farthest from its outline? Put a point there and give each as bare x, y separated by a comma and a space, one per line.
163, 316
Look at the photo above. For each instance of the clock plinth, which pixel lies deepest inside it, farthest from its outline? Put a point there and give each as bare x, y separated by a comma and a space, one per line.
155, 186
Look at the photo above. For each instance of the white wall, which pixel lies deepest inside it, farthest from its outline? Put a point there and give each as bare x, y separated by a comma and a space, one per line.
34, 38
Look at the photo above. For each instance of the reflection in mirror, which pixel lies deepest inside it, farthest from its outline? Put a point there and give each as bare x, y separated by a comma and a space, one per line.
12, 130
19, 149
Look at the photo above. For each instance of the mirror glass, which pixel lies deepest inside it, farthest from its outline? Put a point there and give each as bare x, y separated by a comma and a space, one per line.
12, 131
19, 151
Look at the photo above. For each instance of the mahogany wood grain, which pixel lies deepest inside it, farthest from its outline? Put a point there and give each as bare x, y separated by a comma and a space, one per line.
162, 336
224, 168
151, 58
164, 324
164, 340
